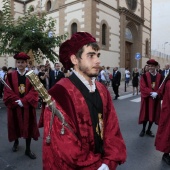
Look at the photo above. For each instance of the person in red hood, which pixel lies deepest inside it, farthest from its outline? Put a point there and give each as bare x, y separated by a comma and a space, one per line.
162, 141
94, 141
150, 98
21, 100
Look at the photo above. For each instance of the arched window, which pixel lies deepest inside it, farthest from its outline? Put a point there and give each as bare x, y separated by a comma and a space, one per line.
104, 27
73, 28
147, 48
128, 34
48, 5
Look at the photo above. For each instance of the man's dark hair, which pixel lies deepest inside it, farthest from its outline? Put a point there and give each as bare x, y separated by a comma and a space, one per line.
94, 46
4, 68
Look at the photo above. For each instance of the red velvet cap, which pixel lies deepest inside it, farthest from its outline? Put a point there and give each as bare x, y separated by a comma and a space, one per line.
21, 56
152, 62
71, 46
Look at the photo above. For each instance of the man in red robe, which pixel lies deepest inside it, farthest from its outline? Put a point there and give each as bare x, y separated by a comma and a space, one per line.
94, 141
21, 101
150, 98
162, 141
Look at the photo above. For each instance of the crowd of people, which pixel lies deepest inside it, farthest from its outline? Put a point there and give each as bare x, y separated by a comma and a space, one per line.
89, 136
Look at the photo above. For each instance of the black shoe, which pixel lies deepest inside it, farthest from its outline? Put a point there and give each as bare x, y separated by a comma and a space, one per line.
149, 133
142, 133
166, 158
30, 154
15, 147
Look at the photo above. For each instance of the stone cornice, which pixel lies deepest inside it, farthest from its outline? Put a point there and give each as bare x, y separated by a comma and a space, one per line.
131, 15
23, 2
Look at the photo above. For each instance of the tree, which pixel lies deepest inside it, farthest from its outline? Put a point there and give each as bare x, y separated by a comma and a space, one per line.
30, 32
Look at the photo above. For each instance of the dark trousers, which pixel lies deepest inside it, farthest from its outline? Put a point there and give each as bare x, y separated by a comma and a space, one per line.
116, 90
1, 89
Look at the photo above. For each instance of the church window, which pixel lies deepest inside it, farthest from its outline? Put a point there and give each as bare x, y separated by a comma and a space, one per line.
104, 28
128, 34
73, 28
147, 48
132, 4
48, 5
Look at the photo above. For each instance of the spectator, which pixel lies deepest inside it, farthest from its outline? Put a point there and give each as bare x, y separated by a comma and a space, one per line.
55, 75
103, 76
135, 81
116, 82
127, 76
43, 75
165, 72
2, 75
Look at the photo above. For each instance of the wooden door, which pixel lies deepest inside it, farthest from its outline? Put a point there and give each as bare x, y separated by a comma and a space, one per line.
128, 47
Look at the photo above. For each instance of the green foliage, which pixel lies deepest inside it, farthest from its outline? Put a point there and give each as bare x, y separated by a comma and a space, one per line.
30, 32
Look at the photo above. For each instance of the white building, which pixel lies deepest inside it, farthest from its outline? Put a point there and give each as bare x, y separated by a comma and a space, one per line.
121, 27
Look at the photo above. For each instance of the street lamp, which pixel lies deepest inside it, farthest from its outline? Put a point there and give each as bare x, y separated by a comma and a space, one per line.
164, 47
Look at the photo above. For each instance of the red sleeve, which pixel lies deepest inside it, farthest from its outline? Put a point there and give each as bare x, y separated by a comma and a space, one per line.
10, 97
145, 90
114, 146
67, 147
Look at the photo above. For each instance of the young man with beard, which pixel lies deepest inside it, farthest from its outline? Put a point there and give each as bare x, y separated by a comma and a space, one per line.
21, 100
95, 141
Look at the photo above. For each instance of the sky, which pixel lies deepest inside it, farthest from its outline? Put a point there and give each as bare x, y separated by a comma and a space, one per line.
161, 26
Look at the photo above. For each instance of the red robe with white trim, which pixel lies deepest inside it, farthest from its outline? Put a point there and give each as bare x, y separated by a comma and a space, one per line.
162, 141
22, 121
150, 108
68, 152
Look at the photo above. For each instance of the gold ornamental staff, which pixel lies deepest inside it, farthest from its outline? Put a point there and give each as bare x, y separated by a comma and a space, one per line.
164, 80
3, 82
51, 104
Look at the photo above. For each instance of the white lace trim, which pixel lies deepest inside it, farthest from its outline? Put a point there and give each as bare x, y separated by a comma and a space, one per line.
92, 87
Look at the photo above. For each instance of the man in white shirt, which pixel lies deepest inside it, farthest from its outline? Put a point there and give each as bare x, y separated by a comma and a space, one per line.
2, 74
166, 71
103, 76
127, 76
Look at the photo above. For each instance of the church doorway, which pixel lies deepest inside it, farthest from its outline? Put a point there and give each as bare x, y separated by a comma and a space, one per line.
128, 49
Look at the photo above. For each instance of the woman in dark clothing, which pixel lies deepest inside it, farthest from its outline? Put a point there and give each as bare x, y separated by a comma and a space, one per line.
135, 81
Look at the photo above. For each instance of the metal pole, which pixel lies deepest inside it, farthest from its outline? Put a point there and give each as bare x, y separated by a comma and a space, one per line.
125, 83
137, 64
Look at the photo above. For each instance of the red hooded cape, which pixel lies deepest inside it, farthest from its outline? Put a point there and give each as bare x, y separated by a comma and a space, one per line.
150, 108
70, 152
22, 121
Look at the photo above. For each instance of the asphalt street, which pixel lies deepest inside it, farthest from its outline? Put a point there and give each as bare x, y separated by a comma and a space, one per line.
141, 153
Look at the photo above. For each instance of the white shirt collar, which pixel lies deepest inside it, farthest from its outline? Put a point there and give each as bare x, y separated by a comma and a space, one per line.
21, 73
92, 87
154, 74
